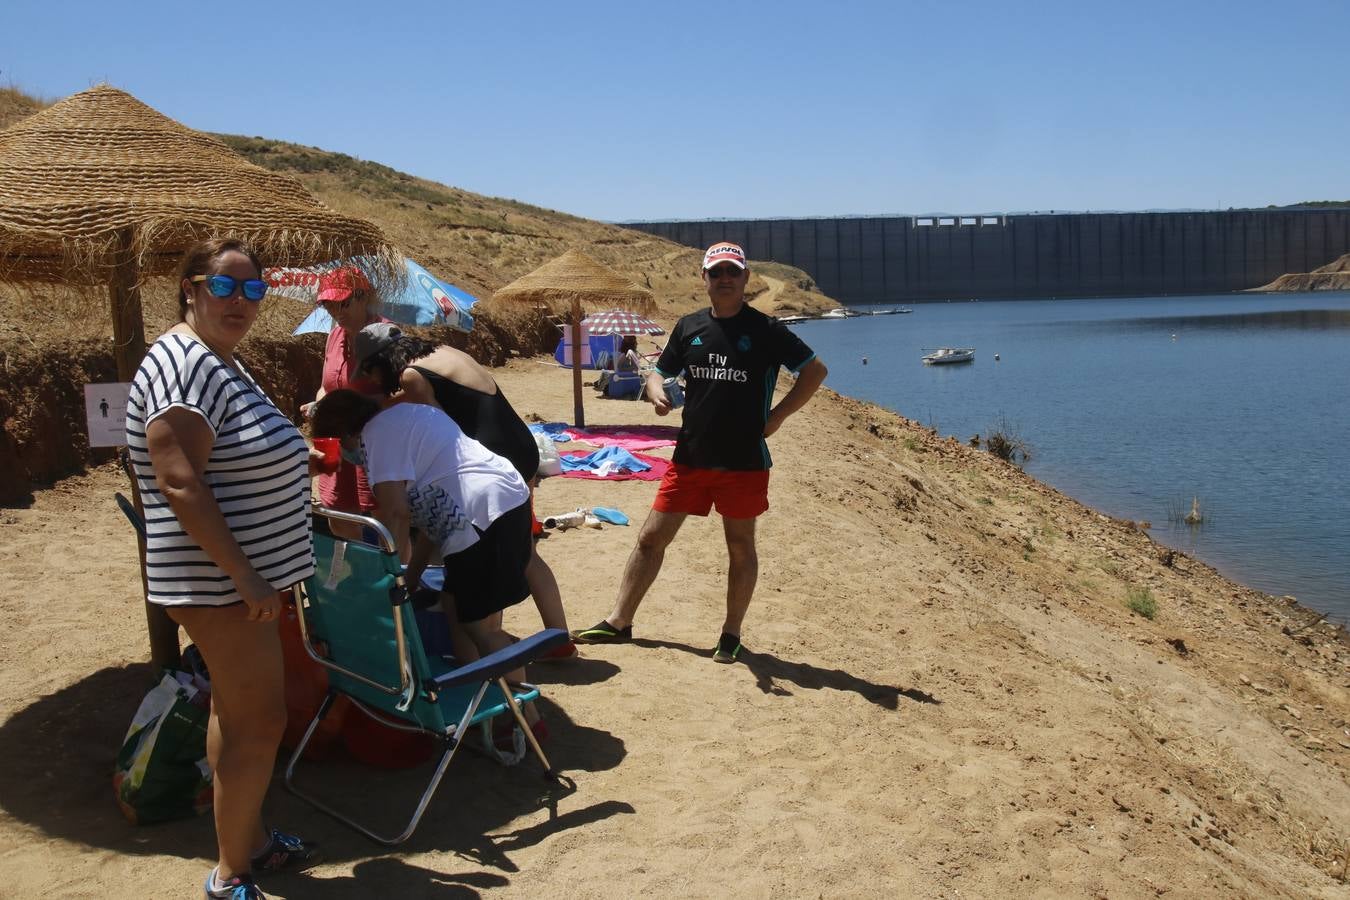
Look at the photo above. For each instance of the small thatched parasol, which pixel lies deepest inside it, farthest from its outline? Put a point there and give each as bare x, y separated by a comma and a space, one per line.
571, 280
100, 189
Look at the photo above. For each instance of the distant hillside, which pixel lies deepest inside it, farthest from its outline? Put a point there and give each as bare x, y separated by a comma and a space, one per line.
1318, 204
482, 243
1334, 276
479, 243
15, 105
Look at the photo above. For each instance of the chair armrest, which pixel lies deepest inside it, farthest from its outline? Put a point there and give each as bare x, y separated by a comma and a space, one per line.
497, 664
130, 512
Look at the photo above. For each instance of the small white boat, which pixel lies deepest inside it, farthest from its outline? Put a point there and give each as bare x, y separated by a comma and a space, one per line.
793, 320
944, 355
837, 313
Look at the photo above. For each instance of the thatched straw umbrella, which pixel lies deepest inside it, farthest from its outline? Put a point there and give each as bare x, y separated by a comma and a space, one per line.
571, 280
100, 191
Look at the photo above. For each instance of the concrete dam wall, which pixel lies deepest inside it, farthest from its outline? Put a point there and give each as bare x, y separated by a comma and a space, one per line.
909, 258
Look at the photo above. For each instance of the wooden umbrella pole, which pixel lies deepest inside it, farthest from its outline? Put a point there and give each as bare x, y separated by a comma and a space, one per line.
124, 292
578, 413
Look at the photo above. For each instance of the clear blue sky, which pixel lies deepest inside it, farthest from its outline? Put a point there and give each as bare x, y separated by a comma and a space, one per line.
702, 110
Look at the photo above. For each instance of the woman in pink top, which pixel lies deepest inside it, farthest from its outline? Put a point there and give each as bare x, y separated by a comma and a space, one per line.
347, 296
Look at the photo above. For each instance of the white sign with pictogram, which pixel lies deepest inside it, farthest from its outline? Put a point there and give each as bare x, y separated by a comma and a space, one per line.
105, 409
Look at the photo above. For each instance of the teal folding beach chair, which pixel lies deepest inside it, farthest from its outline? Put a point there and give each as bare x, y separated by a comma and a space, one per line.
356, 621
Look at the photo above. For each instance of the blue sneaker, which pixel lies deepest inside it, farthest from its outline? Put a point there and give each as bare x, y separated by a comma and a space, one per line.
286, 853
240, 887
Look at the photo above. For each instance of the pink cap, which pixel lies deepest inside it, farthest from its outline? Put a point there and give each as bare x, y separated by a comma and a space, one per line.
339, 284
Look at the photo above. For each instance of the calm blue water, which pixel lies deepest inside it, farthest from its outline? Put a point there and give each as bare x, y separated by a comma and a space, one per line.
1135, 406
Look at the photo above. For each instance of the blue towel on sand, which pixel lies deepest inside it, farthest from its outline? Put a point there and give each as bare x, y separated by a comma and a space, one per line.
606, 458
558, 431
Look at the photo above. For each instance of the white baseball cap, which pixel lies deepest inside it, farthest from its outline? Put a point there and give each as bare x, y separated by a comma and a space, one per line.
723, 251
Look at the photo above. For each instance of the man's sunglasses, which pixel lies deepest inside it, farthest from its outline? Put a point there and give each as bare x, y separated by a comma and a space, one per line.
223, 286
724, 271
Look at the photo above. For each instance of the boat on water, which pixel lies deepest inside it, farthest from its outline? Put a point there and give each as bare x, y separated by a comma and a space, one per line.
945, 355
889, 312
840, 312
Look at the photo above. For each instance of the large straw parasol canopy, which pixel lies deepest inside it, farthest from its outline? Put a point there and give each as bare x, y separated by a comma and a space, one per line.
574, 279
79, 177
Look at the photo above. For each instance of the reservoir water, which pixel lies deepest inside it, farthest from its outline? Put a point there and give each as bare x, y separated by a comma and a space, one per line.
1137, 406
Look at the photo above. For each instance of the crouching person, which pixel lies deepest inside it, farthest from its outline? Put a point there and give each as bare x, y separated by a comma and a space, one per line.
470, 506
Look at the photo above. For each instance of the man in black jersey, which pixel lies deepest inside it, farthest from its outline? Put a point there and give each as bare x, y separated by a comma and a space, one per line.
730, 355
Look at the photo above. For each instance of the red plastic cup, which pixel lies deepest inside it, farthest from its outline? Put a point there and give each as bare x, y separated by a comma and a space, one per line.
331, 448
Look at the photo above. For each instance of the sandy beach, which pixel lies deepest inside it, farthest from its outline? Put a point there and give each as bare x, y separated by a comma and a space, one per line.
945, 695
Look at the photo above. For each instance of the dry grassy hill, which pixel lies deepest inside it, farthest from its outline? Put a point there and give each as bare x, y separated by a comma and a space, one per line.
1334, 276
15, 105
479, 243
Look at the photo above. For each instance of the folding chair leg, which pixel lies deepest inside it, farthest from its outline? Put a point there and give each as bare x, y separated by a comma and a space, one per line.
452, 744
324, 708
525, 727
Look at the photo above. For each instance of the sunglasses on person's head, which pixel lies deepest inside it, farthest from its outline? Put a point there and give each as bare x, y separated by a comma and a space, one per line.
724, 271
223, 286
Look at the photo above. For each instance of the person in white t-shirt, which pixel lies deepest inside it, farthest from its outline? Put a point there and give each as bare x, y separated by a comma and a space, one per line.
470, 506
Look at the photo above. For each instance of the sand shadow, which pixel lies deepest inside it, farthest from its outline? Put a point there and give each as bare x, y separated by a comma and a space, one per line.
771, 673
574, 672
59, 754
394, 878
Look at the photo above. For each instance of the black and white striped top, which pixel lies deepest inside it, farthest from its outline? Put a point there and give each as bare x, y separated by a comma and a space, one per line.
258, 472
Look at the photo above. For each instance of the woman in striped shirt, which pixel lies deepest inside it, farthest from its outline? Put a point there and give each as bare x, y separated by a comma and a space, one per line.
225, 481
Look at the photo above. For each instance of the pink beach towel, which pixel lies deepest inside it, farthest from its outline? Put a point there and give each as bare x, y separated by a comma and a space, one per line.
657, 470
629, 437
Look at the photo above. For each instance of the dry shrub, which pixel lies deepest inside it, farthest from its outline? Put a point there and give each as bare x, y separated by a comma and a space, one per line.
1006, 442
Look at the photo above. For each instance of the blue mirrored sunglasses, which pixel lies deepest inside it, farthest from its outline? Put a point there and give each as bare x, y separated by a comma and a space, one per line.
223, 286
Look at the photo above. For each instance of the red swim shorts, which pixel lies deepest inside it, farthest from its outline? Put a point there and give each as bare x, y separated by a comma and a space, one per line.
737, 495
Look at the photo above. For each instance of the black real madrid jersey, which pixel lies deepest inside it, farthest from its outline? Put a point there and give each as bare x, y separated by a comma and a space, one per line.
730, 367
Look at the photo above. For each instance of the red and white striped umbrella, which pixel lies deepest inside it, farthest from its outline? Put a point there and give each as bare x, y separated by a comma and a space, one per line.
621, 321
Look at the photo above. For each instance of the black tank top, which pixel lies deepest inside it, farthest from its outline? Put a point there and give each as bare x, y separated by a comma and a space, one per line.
488, 419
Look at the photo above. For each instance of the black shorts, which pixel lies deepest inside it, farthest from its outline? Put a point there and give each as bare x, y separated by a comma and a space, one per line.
490, 576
